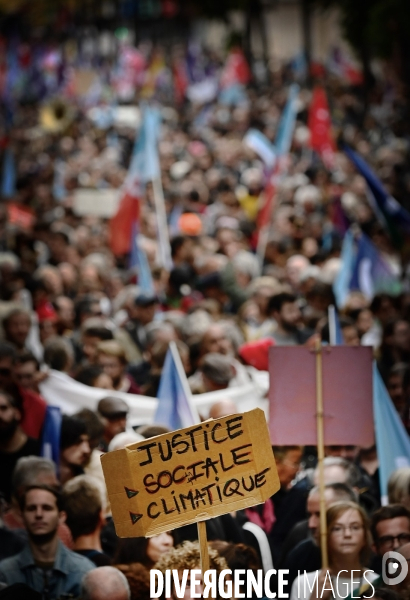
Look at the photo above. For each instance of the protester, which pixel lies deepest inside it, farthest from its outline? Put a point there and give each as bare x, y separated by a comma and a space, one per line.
75, 304
113, 413
14, 443
75, 448
187, 556
289, 503
138, 578
44, 564
348, 546
82, 500
145, 551
105, 582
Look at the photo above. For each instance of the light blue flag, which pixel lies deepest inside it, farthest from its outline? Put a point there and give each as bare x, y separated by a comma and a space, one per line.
284, 134
59, 190
260, 144
145, 160
139, 261
341, 285
50, 441
335, 331
175, 408
392, 440
8, 183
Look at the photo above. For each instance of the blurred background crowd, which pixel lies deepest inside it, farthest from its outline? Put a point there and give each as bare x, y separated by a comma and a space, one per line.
154, 190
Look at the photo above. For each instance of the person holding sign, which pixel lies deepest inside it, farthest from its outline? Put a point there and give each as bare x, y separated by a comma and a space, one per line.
348, 543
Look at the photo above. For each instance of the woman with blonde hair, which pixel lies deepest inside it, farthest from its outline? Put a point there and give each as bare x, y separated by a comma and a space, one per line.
348, 543
398, 487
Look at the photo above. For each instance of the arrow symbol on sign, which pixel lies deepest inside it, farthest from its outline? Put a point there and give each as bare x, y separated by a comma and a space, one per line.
135, 518
130, 493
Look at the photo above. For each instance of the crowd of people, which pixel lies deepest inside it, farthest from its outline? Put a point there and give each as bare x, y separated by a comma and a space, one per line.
69, 304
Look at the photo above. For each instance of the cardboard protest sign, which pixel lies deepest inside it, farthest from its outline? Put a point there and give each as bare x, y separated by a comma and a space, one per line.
191, 474
347, 396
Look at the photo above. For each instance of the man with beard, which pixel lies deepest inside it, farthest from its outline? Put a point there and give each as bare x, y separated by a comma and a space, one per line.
286, 312
75, 448
45, 564
14, 443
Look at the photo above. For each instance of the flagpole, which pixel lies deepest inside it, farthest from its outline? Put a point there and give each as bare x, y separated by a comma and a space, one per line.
184, 381
332, 325
162, 226
203, 547
321, 453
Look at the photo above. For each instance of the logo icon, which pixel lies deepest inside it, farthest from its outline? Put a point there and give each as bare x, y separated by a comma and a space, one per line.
394, 568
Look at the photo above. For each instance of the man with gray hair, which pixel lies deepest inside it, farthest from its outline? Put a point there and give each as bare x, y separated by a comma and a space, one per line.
103, 583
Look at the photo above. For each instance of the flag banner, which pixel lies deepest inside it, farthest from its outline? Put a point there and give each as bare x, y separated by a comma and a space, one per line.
320, 126
393, 217
260, 144
59, 389
371, 274
287, 122
139, 261
392, 439
50, 441
283, 143
8, 182
175, 407
144, 167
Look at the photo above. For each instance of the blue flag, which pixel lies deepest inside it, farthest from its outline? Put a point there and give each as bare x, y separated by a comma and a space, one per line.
50, 441
371, 274
8, 183
59, 190
392, 440
284, 134
145, 160
139, 261
175, 408
392, 215
341, 285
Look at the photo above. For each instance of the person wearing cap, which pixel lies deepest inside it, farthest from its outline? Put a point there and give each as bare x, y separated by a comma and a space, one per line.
215, 373
75, 448
142, 313
112, 358
113, 413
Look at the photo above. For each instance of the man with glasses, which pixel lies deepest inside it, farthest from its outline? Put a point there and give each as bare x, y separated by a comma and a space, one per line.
390, 528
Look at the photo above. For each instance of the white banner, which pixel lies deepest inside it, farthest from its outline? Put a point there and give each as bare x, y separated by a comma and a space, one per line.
59, 389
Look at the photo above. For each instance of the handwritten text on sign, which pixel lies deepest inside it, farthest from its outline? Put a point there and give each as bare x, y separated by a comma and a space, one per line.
191, 474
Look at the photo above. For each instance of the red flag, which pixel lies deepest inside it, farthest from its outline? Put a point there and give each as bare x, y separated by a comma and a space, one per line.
180, 81
266, 210
120, 227
236, 69
21, 216
320, 126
